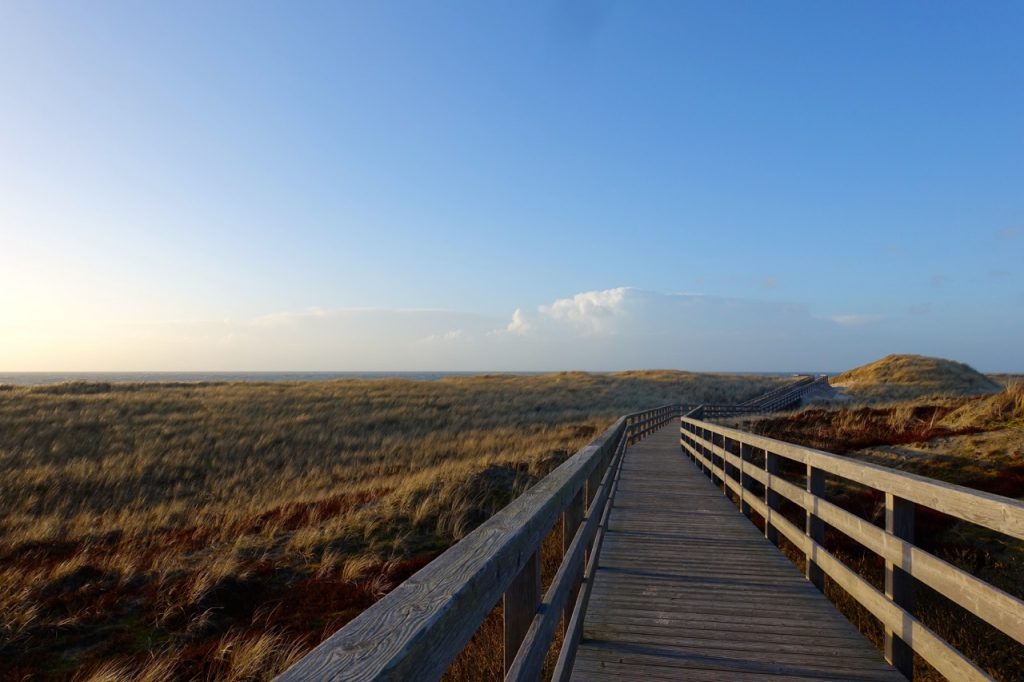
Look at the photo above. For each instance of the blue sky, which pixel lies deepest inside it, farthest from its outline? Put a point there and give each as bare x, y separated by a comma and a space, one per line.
384, 185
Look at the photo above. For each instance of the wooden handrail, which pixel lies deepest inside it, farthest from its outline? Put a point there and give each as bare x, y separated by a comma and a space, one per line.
416, 630
724, 454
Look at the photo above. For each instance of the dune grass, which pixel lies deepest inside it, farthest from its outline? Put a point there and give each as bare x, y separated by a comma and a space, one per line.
907, 377
219, 531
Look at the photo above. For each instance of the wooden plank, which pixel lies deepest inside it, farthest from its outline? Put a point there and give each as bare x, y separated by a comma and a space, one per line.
746, 481
899, 585
771, 496
998, 513
685, 583
946, 659
574, 632
999, 609
529, 661
571, 520
521, 600
813, 525
686, 666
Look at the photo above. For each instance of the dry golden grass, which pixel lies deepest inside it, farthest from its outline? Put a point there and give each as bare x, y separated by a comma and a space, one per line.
906, 377
218, 531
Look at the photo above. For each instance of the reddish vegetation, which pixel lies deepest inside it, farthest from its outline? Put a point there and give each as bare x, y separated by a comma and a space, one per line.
117, 618
844, 431
297, 515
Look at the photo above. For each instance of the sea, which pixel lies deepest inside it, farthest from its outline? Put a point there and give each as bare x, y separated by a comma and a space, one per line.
41, 378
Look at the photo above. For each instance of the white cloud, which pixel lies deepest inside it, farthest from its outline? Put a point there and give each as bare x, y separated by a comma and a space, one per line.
519, 323
592, 310
612, 329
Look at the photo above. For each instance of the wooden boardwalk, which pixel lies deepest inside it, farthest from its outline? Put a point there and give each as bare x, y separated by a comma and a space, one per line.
688, 589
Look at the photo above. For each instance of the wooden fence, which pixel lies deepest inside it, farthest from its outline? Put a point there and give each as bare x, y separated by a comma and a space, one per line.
749, 467
416, 631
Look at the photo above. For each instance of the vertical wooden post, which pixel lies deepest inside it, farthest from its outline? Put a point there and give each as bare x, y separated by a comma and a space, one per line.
590, 492
707, 454
713, 438
521, 601
572, 517
746, 482
899, 585
771, 498
704, 451
814, 526
728, 469
724, 444
593, 481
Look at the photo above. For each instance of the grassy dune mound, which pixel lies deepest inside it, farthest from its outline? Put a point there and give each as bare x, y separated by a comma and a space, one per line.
905, 377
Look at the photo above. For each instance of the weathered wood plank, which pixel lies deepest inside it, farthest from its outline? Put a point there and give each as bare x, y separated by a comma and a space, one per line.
946, 659
521, 600
899, 584
685, 583
572, 518
985, 509
989, 603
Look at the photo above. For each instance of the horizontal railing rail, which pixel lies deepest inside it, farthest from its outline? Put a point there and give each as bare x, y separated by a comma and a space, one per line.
782, 398
727, 456
775, 393
418, 629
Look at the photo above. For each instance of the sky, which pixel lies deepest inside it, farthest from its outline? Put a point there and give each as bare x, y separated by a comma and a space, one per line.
510, 185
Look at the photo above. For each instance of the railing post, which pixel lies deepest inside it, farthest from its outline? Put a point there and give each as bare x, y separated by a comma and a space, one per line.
727, 468
702, 448
719, 440
709, 436
814, 526
771, 498
746, 482
899, 585
705, 463
520, 606
725, 465
572, 517
719, 462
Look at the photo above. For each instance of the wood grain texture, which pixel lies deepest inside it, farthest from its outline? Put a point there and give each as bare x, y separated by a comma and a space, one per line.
572, 518
520, 604
989, 603
899, 584
565, 584
687, 588
998, 513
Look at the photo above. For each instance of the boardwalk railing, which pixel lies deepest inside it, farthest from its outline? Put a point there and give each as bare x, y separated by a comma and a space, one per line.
416, 631
781, 391
779, 399
749, 467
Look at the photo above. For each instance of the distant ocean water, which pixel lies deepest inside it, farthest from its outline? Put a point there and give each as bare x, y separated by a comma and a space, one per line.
40, 378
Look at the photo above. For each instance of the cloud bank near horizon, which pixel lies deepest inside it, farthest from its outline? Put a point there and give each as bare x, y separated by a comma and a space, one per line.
612, 329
